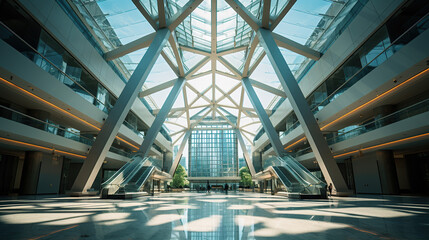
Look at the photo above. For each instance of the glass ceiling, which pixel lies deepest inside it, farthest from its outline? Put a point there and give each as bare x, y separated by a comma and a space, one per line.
214, 90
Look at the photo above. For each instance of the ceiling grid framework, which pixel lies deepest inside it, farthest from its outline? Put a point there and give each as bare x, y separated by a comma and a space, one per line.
213, 48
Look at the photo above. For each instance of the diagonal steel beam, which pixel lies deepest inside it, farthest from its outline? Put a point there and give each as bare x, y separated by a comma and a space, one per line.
177, 55
157, 88
256, 63
267, 88
185, 11
266, 14
179, 153
250, 53
198, 93
227, 75
250, 133
178, 138
143, 11
201, 118
232, 50
241, 106
156, 126
229, 66
245, 152
227, 94
170, 63
161, 14
296, 47
283, 13
195, 50
263, 117
247, 16
226, 119
116, 117
185, 100
199, 75
123, 50
311, 128
197, 67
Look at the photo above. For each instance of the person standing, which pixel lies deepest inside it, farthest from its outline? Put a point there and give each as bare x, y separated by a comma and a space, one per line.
208, 187
330, 189
226, 188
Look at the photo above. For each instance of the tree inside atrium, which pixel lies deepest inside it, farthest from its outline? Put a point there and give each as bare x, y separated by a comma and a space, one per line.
246, 178
179, 178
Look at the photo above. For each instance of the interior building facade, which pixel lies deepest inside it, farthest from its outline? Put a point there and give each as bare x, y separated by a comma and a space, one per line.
320, 98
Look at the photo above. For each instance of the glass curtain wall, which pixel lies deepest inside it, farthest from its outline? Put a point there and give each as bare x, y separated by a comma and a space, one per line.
213, 153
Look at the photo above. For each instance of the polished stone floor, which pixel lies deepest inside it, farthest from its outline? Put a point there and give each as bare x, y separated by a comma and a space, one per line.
215, 216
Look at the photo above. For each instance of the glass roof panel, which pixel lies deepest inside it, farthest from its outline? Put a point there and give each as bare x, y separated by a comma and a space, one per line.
158, 98
265, 73
191, 95
114, 24
313, 23
191, 59
225, 83
179, 103
302, 19
222, 68
205, 68
131, 60
201, 83
237, 59
232, 30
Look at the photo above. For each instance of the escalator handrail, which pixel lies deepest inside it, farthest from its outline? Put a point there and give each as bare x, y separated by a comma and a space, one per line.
279, 174
307, 172
145, 177
130, 176
126, 168
295, 174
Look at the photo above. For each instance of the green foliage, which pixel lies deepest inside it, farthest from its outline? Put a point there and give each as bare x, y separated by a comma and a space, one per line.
179, 177
246, 178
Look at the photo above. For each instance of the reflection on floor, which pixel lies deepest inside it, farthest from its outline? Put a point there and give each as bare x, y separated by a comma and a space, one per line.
215, 216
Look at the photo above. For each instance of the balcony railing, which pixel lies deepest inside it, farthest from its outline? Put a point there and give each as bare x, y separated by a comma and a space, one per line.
397, 116
52, 128
415, 30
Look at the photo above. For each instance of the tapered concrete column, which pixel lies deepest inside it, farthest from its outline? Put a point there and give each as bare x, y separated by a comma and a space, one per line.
311, 128
245, 152
117, 116
387, 172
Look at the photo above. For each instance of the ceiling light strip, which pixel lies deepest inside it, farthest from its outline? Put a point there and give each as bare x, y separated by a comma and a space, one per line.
60, 109
365, 104
40, 147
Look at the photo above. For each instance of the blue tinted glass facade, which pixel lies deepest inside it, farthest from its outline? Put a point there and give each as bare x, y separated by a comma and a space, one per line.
213, 153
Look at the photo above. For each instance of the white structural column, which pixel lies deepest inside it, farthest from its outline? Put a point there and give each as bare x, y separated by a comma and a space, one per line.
309, 124
116, 117
245, 152
178, 156
263, 117
154, 129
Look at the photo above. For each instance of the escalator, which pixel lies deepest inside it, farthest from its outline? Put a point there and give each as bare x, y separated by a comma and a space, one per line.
296, 180
139, 179
134, 178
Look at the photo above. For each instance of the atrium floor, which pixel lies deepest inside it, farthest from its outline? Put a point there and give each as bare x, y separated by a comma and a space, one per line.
215, 216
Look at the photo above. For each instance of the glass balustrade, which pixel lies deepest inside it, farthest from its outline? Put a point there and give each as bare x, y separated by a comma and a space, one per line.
400, 115
50, 127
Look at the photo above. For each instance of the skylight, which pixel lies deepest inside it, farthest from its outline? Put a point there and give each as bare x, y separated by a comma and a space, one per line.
212, 47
